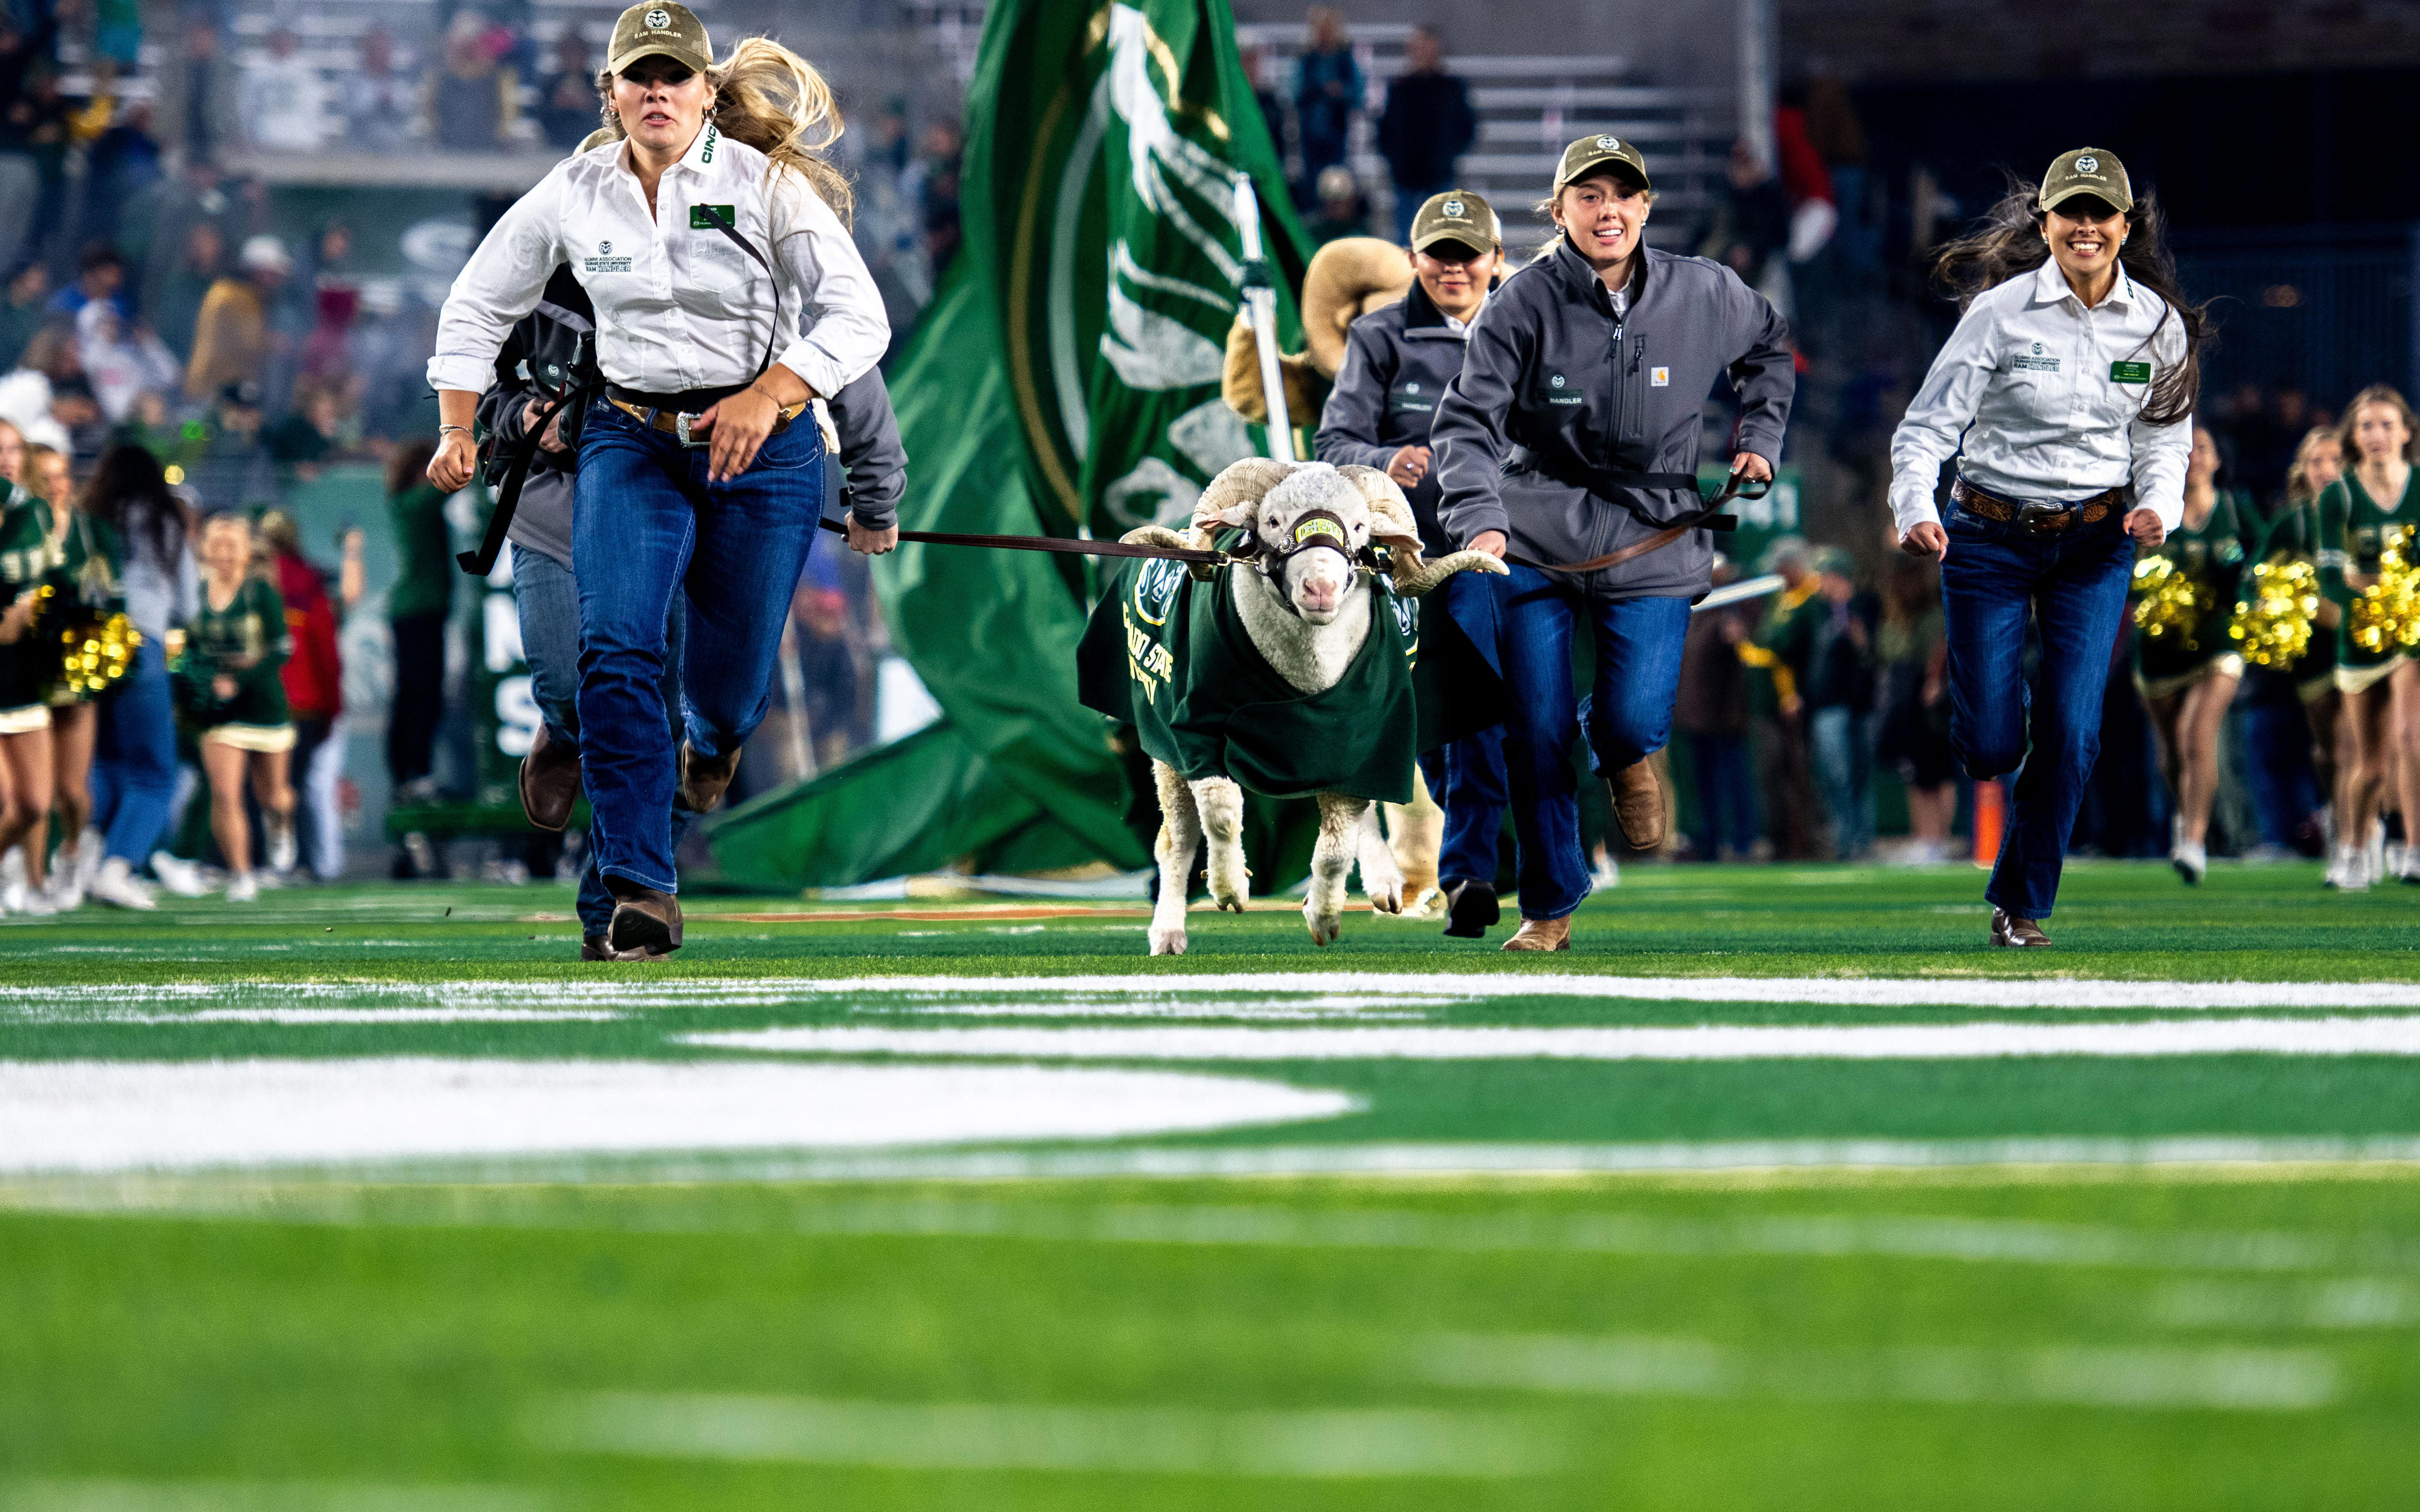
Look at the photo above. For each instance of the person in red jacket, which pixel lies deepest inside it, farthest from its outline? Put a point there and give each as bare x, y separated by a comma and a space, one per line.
315, 695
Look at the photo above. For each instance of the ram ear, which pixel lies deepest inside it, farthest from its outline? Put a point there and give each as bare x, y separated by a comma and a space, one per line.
1234, 498
1392, 521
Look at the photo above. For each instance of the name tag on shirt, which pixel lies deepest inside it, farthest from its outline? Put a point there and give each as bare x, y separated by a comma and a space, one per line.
2130, 372
706, 217
2034, 364
1659, 377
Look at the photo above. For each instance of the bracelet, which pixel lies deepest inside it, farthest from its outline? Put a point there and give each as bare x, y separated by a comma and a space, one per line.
464, 429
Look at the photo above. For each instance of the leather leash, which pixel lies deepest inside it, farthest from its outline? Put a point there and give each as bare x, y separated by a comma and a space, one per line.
1060, 544
1710, 517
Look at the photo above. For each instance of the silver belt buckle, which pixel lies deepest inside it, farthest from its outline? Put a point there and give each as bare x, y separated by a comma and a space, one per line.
680, 429
2034, 516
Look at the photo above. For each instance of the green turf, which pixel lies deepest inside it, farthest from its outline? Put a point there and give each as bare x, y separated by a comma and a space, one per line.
270, 1339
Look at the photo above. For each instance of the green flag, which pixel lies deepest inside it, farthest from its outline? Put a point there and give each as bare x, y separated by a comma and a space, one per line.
1065, 377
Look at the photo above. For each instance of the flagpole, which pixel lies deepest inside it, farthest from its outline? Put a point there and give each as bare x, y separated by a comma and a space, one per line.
1261, 304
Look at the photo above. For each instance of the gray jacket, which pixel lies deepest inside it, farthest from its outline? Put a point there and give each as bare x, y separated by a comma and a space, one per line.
1398, 359
1575, 430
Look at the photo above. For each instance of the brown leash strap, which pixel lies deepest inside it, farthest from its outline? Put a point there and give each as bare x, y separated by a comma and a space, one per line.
1052, 543
1737, 486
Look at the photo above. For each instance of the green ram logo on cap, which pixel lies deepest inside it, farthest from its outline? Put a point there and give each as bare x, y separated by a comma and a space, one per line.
1452, 208
2088, 163
658, 19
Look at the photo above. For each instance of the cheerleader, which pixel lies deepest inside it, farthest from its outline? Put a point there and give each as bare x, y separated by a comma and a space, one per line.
2188, 673
2294, 535
89, 592
235, 650
27, 565
2368, 511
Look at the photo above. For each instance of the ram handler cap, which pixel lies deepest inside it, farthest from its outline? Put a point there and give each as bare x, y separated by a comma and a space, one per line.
660, 26
1592, 152
1457, 216
2087, 171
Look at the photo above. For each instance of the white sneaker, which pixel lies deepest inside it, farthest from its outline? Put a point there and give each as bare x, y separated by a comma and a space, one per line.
243, 889
281, 843
38, 903
2191, 859
2373, 857
117, 885
2391, 856
66, 893
183, 878
2351, 871
91, 850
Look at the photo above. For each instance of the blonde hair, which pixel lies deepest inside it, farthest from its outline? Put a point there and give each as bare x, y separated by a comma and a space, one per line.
2393, 399
2298, 477
773, 100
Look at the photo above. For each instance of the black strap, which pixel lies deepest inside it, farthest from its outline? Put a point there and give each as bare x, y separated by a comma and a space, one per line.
509, 497
714, 218
1060, 544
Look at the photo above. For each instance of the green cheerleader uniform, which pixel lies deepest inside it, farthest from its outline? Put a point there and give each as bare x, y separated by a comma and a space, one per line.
2353, 532
91, 559
2294, 536
28, 562
246, 641
2213, 554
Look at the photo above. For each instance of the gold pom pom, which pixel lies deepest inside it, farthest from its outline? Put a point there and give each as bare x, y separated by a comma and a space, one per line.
2169, 605
2274, 626
97, 655
2386, 615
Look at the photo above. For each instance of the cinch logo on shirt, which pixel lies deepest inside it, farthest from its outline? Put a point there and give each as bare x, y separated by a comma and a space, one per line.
2130, 372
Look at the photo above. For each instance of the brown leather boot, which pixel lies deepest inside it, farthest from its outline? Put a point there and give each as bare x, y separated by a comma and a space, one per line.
1637, 804
645, 922
549, 781
2016, 934
704, 778
1542, 934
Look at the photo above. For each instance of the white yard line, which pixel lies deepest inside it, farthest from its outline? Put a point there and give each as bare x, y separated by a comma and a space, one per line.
93, 1116
969, 1436
2126, 1379
2371, 1035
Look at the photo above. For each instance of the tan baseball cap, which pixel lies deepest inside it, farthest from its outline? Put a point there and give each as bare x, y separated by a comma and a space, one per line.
1591, 152
2087, 171
660, 26
1458, 216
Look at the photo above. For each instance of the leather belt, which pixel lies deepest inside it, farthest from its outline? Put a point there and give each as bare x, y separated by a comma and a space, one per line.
676, 423
2043, 519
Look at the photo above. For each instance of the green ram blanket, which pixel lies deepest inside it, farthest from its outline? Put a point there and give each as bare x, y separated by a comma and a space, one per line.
1171, 657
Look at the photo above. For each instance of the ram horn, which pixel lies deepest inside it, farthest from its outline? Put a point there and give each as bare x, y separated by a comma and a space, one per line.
1233, 500
1419, 583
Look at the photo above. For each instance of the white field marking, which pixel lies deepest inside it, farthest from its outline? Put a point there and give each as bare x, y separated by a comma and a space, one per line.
2373, 1036
2343, 1303
1924, 1239
2138, 1379
374, 1016
122, 1115
259, 1496
971, 1436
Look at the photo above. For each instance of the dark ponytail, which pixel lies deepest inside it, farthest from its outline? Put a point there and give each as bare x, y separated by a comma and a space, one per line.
2010, 241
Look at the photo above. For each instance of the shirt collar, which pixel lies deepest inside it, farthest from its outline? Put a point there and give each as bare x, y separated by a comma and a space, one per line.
1580, 277
2050, 286
704, 150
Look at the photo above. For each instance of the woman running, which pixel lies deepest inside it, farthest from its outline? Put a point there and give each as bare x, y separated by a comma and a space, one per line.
234, 651
28, 564
2365, 514
2294, 535
89, 568
2188, 674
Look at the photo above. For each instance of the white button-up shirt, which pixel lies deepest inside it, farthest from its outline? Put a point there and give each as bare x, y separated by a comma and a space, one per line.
678, 307
2041, 399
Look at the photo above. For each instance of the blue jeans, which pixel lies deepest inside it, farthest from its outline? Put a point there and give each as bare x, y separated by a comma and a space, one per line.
1844, 765
2285, 791
1627, 717
548, 603
135, 757
1725, 794
1467, 778
646, 527
2073, 585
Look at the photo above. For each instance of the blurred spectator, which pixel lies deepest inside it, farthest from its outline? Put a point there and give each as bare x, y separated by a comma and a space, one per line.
232, 340
200, 96
134, 759
315, 692
1343, 210
379, 99
29, 290
326, 356
1840, 701
469, 97
117, 33
175, 296
232, 469
121, 163
567, 107
312, 431
391, 340
828, 668
1712, 713
1328, 95
19, 182
1914, 741
1783, 648
1839, 139
1426, 126
1814, 215
46, 113
283, 97
935, 191
1256, 73
416, 607
100, 274
122, 360
1750, 221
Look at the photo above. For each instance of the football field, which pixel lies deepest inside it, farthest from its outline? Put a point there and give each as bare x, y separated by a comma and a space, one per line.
1779, 1191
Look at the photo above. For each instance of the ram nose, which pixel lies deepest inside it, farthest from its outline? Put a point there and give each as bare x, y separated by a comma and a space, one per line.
1318, 596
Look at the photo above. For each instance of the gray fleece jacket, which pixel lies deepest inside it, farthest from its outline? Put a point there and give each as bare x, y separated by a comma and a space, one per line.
1574, 427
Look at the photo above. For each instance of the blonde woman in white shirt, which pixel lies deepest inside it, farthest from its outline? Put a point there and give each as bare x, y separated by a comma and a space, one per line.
2066, 397
709, 236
